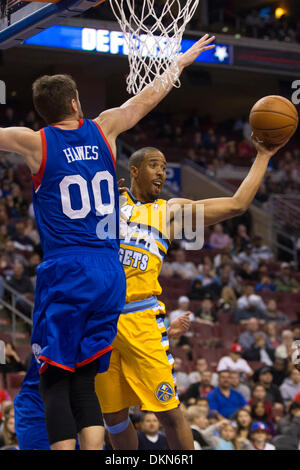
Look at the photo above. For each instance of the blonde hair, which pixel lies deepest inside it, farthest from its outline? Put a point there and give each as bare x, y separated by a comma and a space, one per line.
193, 412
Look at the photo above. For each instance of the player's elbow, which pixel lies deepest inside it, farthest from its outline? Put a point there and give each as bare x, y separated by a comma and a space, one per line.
238, 207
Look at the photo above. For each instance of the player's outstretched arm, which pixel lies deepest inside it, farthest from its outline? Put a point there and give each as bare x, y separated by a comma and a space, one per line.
24, 142
222, 208
117, 120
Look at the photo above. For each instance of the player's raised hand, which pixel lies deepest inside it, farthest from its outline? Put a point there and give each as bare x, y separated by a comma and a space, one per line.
204, 44
264, 149
180, 326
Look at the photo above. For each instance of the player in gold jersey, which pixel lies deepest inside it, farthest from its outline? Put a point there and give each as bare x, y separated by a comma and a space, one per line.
141, 367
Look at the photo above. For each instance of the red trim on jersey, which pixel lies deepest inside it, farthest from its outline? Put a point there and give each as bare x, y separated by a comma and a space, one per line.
37, 178
95, 356
108, 146
43, 368
53, 363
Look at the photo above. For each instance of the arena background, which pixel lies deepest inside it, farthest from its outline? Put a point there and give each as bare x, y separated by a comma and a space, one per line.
203, 130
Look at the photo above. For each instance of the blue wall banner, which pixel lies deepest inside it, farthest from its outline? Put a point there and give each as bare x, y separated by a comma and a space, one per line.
113, 42
173, 177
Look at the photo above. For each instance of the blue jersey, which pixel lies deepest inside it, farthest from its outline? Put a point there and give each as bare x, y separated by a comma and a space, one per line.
75, 190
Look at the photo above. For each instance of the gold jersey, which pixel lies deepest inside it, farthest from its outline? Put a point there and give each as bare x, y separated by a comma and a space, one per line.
144, 244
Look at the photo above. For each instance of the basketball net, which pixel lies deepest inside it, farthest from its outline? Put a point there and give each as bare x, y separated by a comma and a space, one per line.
153, 35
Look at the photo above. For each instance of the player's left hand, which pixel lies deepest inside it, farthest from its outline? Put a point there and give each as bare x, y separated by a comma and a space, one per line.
180, 326
204, 44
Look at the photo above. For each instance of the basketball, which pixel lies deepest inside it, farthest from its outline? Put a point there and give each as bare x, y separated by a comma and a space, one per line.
273, 120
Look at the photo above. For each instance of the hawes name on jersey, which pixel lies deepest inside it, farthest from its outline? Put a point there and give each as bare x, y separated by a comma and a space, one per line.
85, 152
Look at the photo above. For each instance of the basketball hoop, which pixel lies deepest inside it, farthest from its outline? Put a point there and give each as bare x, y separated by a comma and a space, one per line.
153, 35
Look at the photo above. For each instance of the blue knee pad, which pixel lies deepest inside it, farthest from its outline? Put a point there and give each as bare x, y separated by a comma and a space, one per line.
118, 428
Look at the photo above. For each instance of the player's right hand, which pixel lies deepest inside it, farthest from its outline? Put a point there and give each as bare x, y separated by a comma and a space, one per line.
264, 149
204, 44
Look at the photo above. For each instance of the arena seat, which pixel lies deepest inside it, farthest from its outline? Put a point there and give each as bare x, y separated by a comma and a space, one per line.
174, 282
6, 337
202, 331
197, 256
13, 383
5, 321
170, 304
24, 352
173, 292
229, 334
195, 305
187, 364
2, 386
255, 365
225, 318
212, 355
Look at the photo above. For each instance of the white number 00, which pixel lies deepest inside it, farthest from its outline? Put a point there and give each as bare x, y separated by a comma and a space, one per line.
101, 209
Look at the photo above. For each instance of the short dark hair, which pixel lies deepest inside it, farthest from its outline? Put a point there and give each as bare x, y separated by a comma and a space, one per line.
144, 414
137, 157
52, 96
223, 371
295, 405
202, 399
255, 386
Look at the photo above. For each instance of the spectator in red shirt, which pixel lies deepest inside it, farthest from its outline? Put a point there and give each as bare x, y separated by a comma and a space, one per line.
245, 149
5, 398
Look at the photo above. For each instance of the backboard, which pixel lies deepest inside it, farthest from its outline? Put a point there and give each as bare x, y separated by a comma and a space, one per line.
24, 19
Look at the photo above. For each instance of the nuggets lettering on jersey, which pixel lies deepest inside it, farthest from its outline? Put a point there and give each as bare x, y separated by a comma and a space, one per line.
144, 244
133, 259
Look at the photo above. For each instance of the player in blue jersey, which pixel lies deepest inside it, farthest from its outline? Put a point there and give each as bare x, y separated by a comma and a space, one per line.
80, 289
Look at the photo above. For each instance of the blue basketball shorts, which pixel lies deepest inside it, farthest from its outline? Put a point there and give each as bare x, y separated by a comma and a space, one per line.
80, 293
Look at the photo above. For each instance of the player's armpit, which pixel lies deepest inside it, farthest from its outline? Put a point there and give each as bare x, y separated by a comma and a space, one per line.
24, 142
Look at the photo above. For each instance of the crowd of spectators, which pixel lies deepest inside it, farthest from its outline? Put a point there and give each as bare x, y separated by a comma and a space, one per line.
252, 391
230, 413
217, 149
223, 17
20, 250
254, 23
231, 404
